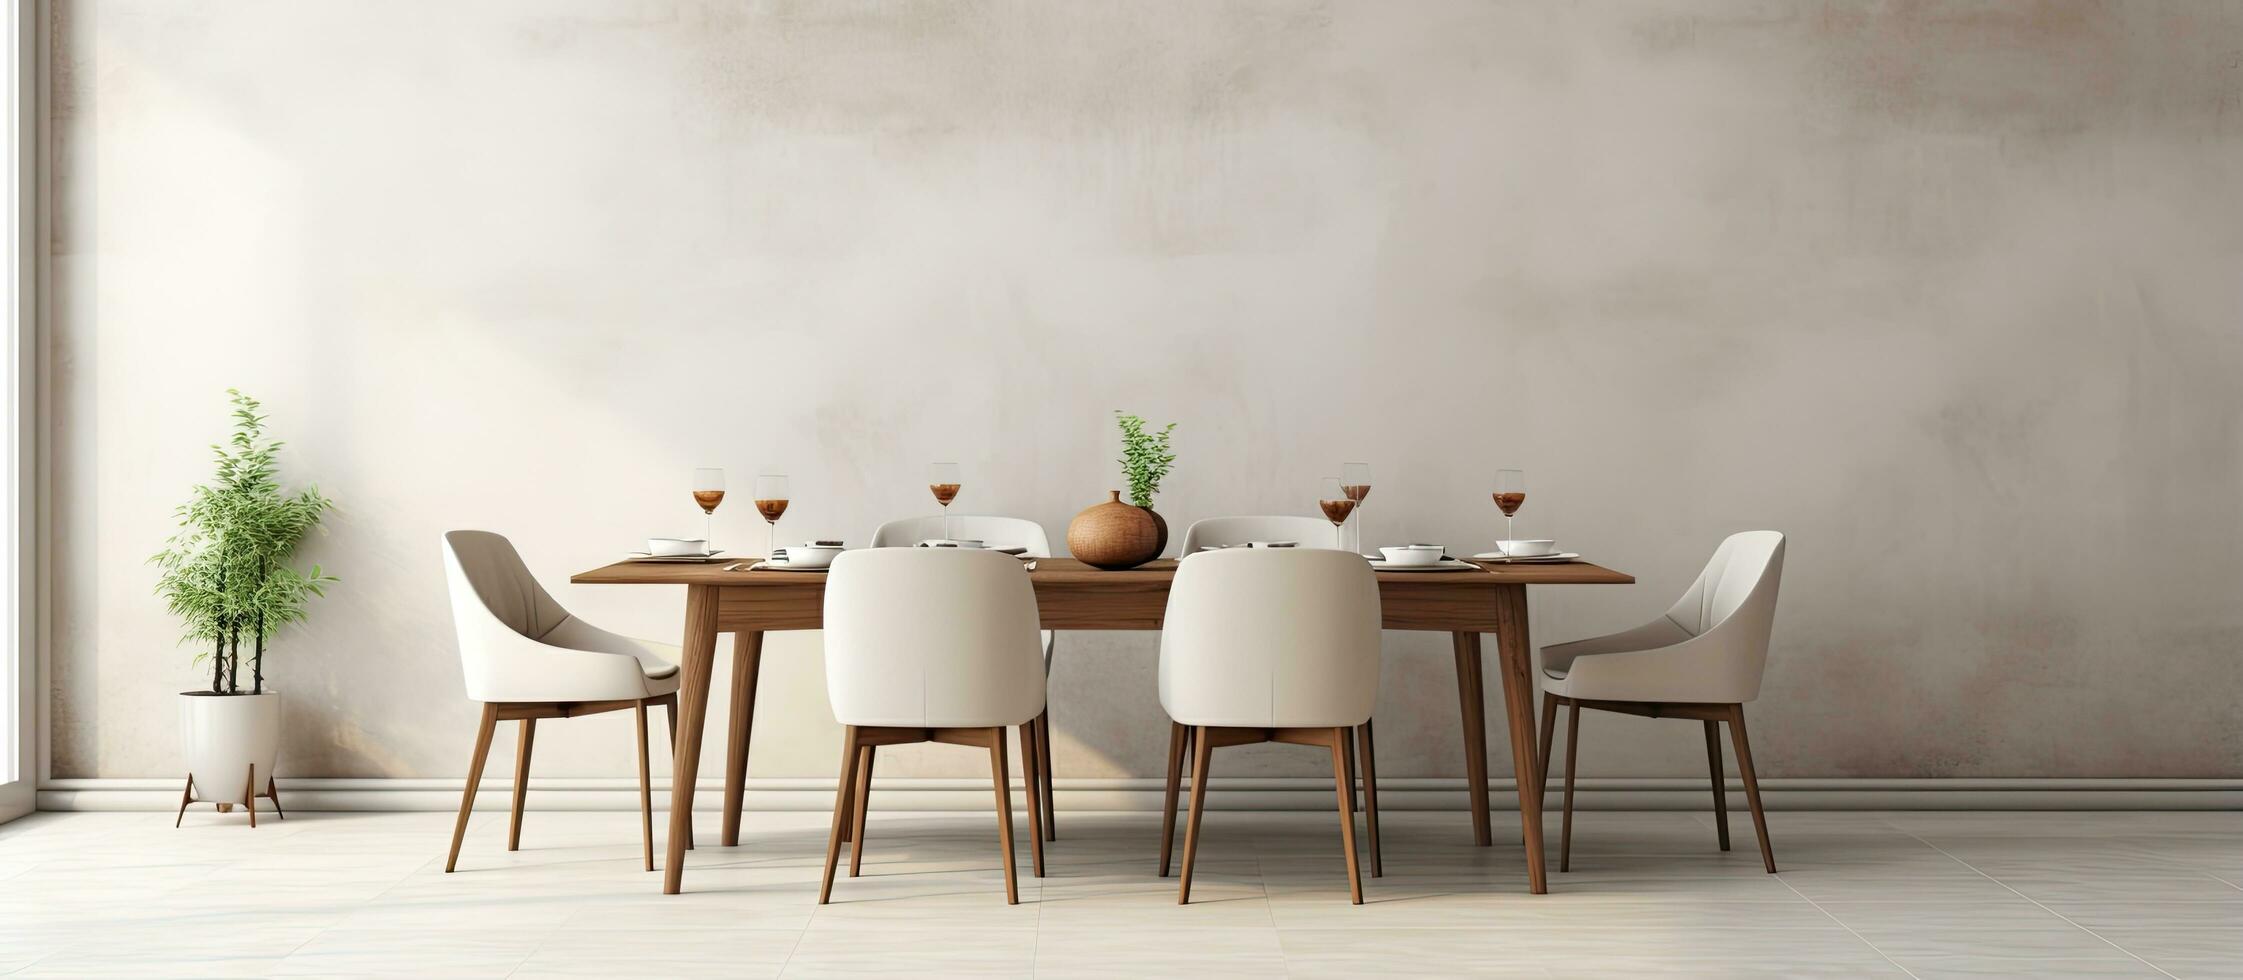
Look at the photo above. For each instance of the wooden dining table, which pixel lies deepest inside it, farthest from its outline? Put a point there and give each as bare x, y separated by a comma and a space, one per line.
1073, 596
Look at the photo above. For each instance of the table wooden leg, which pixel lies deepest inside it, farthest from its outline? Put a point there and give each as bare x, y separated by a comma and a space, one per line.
693, 708
1515, 653
1472, 702
747, 663
670, 713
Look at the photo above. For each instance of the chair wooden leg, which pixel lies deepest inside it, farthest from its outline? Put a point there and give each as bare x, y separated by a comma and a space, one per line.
1203, 749
272, 792
187, 795
1343, 779
842, 811
646, 788
1752, 784
1549, 732
1176, 735
672, 706
1031, 770
249, 795
1354, 788
1572, 752
521, 782
860, 801
1031, 788
1044, 772
1003, 782
474, 779
1720, 792
1370, 795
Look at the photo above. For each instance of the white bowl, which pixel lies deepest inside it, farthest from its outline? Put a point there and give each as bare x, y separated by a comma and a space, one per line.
809, 555
1414, 554
676, 547
1528, 549
966, 543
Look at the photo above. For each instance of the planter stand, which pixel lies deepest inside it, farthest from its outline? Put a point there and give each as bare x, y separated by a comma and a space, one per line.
248, 793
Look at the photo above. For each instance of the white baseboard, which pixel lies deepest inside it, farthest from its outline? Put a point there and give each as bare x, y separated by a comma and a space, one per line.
1231, 794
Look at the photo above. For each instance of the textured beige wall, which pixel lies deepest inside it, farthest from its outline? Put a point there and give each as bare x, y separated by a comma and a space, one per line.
1949, 292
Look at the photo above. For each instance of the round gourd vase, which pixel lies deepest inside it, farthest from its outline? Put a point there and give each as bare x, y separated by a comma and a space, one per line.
1114, 535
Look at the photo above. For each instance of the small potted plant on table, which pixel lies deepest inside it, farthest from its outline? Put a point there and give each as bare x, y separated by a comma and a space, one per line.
1114, 535
226, 576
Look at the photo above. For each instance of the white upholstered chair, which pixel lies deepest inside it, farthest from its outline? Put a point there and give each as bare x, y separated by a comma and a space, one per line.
932, 645
1702, 660
1310, 532
1270, 645
526, 658
996, 532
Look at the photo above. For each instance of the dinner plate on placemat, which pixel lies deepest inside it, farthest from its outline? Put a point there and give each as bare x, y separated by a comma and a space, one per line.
1501, 558
714, 556
1444, 565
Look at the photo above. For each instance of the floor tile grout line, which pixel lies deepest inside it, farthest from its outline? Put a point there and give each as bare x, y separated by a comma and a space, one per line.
791, 950
1873, 947
533, 951
362, 905
1036, 941
1261, 878
316, 933
35, 961
2037, 903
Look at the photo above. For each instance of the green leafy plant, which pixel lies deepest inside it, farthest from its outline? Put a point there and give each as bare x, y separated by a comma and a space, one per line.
226, 573
1145, 457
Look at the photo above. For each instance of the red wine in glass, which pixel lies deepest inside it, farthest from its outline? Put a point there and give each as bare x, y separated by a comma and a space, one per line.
1510, 495
943, 480
708, 492
771, 498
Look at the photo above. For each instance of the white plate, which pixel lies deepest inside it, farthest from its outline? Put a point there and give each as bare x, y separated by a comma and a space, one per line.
1444, 565
684, 559
1497, 556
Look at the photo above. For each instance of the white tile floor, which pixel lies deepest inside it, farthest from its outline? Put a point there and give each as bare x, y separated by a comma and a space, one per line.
1896, 894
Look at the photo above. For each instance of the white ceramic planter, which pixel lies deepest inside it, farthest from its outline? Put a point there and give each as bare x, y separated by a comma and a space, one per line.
224, 736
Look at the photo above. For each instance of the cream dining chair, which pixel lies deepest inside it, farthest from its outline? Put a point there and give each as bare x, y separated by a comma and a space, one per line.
1309, 532
1702, 660
526, 658
1270, 645
931, 645
996, 532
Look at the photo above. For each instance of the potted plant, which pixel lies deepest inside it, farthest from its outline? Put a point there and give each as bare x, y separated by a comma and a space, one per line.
1145, 460
1115, 535
227, 576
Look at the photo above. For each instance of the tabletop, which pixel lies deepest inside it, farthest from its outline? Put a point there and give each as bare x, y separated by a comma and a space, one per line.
1069, 572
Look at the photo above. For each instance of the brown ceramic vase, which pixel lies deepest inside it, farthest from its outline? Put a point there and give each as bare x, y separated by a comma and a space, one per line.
1114, 535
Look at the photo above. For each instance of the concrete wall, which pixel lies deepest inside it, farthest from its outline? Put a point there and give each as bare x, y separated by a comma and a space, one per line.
1947, 292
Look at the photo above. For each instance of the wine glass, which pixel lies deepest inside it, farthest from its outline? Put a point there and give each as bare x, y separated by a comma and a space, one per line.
708, 492
1510, 493
771, 502
1355, 481
1335, 501
942, 478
